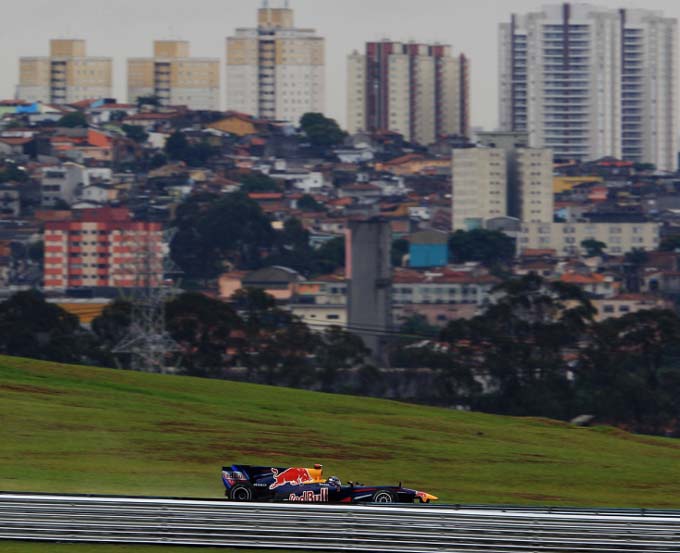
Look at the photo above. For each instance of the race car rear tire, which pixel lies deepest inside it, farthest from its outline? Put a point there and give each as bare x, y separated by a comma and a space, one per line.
383, 496
241, 492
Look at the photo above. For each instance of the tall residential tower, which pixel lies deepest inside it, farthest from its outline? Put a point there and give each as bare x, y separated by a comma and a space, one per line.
175, 78
417, 90
276, 71
67, 75
590, 82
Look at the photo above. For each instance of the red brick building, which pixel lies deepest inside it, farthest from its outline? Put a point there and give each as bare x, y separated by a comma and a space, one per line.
97, 248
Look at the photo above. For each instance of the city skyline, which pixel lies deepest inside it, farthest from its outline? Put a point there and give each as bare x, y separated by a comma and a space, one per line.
470, 27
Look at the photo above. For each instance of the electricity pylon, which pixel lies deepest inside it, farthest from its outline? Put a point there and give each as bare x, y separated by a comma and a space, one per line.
150, 347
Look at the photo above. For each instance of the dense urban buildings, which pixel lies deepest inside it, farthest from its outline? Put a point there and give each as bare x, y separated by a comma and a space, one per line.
417, 90
590, 82
174, 77
67, 75
276, 71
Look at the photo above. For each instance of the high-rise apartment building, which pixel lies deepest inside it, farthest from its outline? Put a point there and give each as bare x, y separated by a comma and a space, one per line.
479, 187
417, 90
590, 82
276, 71
504, 179
67, 75
102, 248
174, 77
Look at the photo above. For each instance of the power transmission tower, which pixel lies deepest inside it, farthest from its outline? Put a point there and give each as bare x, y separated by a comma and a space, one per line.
147, 342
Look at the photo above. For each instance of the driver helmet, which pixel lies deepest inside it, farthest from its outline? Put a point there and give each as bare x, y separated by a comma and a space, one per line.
334, 481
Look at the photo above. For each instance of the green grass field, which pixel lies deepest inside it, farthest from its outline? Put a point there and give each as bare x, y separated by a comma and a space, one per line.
83, 430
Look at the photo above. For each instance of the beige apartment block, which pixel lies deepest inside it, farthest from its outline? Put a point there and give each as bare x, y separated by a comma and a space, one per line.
535, 185
67, 75
417, 90
566, 238
479, 187
356, 92
276, 71
175, 78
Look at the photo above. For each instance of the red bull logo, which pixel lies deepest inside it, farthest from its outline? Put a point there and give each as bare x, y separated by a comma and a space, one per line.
309, 496
293, 476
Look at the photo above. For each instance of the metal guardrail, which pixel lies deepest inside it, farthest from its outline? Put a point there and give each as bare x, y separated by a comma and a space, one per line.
391, 528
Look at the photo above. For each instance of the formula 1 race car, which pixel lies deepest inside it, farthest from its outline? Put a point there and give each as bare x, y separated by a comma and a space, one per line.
307, 485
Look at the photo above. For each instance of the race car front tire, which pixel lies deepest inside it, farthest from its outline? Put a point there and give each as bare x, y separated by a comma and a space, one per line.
241, 492
383, 497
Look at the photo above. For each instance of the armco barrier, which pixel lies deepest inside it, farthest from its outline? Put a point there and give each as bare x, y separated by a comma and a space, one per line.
316, 527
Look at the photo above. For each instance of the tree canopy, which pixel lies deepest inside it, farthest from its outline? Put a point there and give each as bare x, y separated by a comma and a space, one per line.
32, 327
308, 203
670, 243
490, 247
321, 131
594, 248
73, 120
136, 133
178, 148
258, 182
216, 232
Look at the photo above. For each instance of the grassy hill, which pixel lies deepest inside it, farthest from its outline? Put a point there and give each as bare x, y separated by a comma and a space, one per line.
85, 430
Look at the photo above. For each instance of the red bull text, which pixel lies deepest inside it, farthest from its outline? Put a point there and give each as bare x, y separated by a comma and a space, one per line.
309, 496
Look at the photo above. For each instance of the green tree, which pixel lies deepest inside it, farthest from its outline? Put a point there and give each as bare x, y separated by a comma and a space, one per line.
418, 326
308, 203
158, 160
400, 247
214, 232
331, 255
629, 373
490, 247
73, 119
136, 133
113, 323
292, 248
36, 251
203, 328
321, 131
32, 327
670, 243
176, 146
338, 349
118, 115
519, 344
594, 248
12, 172
258, 182
278, 346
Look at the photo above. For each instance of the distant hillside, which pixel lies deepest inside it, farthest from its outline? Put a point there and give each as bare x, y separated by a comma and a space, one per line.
87, 430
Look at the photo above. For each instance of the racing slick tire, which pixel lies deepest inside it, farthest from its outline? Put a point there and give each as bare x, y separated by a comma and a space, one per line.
383, 496
241, 492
